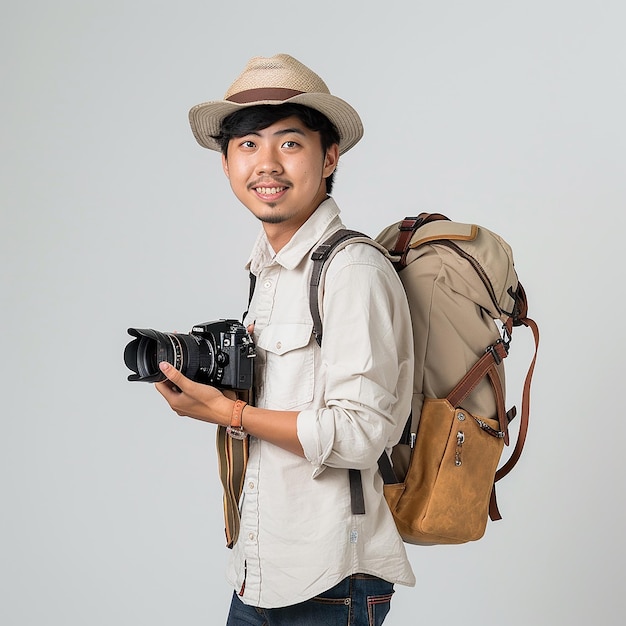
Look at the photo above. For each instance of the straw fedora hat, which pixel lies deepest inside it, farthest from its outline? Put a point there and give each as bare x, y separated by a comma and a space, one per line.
276, 80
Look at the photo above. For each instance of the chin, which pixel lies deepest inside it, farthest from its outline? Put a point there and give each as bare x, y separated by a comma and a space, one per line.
271, 219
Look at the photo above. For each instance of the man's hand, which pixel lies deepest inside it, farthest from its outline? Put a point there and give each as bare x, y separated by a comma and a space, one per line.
190, 399
206, 403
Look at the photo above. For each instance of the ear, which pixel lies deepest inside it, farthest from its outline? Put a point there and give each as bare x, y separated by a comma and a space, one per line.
225, 165
331, 159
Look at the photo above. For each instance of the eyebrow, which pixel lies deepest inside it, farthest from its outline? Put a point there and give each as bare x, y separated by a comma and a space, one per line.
284, 131
278, 133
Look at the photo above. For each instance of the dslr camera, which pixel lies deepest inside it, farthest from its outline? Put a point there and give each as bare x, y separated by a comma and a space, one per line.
218, 353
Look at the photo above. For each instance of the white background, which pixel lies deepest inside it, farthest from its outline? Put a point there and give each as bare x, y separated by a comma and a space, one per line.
508, 114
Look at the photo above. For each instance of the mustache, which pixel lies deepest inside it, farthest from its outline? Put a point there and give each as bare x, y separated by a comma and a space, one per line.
272, 182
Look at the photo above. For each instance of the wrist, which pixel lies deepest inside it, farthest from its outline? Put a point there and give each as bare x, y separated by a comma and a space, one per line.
235, 429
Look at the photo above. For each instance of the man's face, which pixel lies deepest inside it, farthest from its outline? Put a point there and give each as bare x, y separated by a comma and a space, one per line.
279, 173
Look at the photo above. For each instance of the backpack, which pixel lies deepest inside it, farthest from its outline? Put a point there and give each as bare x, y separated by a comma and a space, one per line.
465, 298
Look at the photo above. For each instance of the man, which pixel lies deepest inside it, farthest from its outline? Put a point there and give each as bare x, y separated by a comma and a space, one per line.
303, 556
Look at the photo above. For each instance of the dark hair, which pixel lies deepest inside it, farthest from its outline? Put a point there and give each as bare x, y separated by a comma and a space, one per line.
250, 119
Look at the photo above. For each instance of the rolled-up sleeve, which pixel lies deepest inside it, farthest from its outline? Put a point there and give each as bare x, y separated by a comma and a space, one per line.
367, 360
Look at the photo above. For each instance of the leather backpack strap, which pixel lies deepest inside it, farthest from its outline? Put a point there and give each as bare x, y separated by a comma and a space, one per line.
407, 228
494, 514
525, 409
486, 366
494, 354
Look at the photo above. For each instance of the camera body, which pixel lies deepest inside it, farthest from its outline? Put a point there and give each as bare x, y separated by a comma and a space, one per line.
234, 351
218, 353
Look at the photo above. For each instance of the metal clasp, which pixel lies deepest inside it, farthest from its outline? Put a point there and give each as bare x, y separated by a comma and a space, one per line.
493, 348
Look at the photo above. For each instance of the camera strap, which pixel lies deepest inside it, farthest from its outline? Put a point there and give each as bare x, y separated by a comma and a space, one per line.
232, 457
250, 294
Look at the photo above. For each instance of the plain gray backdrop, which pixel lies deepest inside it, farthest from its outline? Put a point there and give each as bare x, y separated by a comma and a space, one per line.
508, 114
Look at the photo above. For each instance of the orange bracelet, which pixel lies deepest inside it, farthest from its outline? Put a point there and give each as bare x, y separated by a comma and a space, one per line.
235, 430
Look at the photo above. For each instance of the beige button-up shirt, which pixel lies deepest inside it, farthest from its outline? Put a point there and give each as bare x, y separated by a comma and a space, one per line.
298, 535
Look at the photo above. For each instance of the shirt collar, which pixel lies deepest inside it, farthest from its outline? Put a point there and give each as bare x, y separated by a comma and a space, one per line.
299, 245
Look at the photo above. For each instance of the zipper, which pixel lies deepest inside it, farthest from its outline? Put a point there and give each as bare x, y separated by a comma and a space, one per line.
479, 270
460, 440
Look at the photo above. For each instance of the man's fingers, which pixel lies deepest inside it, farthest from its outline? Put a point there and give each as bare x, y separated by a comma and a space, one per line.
166, 388
173, 375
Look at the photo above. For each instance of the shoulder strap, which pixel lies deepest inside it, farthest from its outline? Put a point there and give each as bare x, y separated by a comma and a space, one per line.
407, 228
321, 257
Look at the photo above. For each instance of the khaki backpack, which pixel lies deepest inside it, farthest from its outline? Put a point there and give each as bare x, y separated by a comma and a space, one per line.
465, 298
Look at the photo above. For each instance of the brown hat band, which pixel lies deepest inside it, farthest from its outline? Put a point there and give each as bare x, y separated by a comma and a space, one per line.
263, 93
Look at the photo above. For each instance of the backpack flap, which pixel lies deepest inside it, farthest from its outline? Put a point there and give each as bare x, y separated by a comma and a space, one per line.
488, 253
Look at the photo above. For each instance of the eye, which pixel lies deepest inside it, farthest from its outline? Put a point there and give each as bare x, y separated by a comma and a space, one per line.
290, 144
248, 144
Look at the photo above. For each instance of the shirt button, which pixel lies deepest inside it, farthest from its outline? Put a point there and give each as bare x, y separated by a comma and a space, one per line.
251, 536
279, 345
251, 485
267, 284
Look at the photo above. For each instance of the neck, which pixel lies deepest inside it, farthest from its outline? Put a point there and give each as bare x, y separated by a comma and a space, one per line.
279, 234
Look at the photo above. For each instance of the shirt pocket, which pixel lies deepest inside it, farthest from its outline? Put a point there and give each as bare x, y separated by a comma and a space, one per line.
289, 365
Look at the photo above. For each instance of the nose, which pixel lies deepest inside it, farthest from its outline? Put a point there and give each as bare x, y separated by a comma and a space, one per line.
268, 161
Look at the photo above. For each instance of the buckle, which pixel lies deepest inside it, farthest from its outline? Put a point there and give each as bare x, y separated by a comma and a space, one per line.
499, 350
320, 252
410, 223
236, 433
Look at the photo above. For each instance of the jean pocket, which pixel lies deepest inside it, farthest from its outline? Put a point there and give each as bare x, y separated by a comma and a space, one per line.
322, 609
377, 608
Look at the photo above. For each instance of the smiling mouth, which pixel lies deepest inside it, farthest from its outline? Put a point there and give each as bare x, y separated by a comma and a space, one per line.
269, 191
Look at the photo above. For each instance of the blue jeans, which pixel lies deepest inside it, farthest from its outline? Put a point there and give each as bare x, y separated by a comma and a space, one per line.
359, 600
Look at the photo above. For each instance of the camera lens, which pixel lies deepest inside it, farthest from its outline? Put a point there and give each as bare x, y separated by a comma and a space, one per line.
193, 356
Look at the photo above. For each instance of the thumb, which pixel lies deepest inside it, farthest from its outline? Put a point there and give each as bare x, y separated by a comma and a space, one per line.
173, 374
